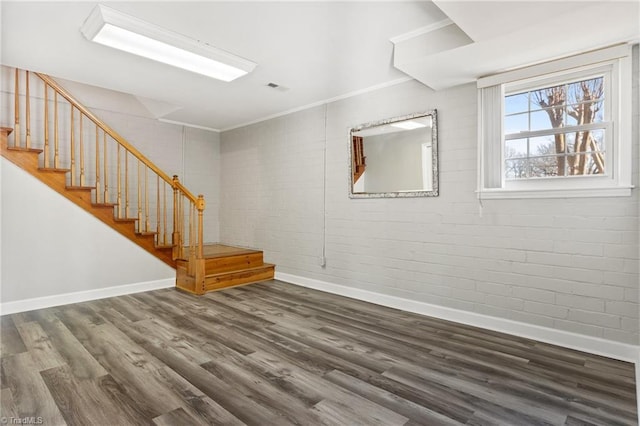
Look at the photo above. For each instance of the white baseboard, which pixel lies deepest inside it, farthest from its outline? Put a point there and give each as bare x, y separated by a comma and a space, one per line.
594, 345
82, 296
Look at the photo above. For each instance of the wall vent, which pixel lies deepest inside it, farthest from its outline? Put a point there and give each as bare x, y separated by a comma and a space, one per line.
278, 87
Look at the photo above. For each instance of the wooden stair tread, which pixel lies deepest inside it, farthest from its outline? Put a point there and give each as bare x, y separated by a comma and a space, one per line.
212, 251
146, 233
80, 188
24, 149
125, 219
216, 251
53, 170
110, 205
164, 247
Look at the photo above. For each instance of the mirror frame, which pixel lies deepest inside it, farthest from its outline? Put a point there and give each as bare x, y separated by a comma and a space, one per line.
434, 157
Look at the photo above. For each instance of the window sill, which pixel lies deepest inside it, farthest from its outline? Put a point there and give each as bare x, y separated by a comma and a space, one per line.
496, 194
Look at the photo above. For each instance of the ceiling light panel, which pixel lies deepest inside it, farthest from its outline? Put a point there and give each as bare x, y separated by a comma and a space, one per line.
408, 125
111, 28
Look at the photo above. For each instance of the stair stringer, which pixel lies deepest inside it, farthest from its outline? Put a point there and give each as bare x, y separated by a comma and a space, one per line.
28, 161
51, 247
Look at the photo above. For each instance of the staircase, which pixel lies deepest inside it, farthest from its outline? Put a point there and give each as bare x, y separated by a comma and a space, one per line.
83, 159
224, 266
358, 159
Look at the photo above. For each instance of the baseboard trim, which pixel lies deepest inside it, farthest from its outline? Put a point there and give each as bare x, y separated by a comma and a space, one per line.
594, 345
82, 296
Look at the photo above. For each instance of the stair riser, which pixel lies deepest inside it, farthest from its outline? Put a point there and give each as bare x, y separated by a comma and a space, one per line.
239, 278
233, 263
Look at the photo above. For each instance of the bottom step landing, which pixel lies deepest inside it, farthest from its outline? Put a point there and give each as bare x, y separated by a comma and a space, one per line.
223, 266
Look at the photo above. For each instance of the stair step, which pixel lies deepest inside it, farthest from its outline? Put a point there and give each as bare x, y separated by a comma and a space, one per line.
233, 262
23, 149
240, 271
126, 219
164, 247
53, 170
146, 233
212, 251
239, 277
80, 188
106, 205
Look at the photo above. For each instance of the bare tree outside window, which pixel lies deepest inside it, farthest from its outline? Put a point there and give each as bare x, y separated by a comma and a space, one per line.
535, 143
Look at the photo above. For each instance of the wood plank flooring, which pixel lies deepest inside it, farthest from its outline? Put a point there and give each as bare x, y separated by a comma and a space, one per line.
278, 354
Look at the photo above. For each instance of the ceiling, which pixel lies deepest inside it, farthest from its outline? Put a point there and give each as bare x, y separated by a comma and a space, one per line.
317, 51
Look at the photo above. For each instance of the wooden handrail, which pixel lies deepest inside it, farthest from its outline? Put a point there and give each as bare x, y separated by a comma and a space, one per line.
195, 204
186, 192
62, 91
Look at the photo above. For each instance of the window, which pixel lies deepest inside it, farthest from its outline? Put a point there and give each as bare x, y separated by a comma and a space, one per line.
558, 129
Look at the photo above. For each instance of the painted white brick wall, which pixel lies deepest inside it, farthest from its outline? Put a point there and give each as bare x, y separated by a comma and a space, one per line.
569, 264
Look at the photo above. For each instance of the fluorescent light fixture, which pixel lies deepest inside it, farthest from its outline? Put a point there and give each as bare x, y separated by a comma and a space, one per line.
130, 34
408, 125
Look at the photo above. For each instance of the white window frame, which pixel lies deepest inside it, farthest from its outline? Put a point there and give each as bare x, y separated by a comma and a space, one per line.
615, 64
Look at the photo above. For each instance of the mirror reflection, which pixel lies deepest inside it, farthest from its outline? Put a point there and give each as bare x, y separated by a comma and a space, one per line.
395, 157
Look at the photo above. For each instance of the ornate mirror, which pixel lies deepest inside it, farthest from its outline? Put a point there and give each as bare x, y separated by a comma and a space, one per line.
397, 157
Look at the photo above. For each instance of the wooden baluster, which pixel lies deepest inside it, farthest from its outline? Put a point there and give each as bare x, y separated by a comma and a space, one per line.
98, 185
16, 126
192, 247
106, 168
192, 253
56, 139
175, 235
164, 209
200, 206
147, 225
46, 126
140, 224
182, 224
158, 209
81, 153
28, 112
126, 183
119, 183
73, 150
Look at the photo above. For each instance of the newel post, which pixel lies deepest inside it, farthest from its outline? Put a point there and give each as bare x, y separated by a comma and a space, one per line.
199, 267
200, 205
176, 240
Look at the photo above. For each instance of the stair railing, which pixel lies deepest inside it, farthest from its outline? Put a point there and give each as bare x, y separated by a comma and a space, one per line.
97, 157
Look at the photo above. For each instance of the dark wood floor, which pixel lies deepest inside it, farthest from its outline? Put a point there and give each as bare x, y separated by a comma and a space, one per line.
277, 354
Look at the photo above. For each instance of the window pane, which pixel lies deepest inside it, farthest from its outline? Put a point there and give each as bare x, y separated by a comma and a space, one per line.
593, 140
586, 100
515, 169
592, 89
544, 166
598, 138
516, 123
549, 97
586, 164
516, 148
549, 109
516, 103
585, 113
543, 145
540, 120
